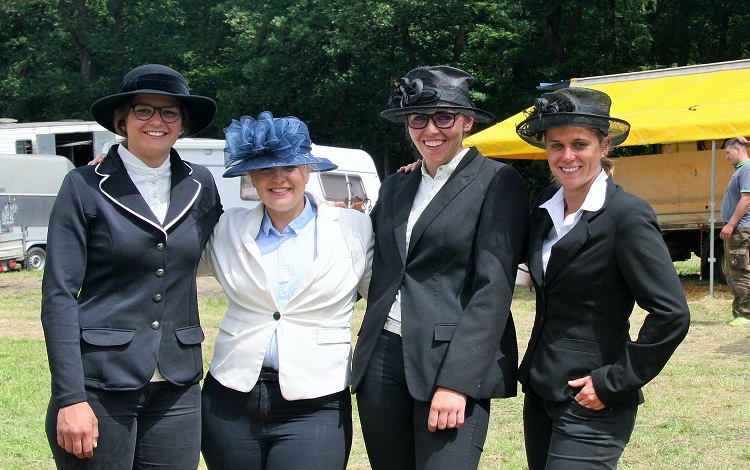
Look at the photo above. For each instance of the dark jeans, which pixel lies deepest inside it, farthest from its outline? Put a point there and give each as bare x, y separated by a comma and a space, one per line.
156, 426
260, 429
394, 425
567, 436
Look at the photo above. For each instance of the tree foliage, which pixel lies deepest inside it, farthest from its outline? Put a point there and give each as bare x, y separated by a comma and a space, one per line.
333, 63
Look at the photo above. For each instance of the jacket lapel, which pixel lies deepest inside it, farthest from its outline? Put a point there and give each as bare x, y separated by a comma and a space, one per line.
185, 191
328, 241
570, 245
465, 173
402, 202
120, 189
539, 230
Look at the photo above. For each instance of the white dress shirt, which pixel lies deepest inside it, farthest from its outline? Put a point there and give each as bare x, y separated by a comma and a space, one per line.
562, 225
155, 185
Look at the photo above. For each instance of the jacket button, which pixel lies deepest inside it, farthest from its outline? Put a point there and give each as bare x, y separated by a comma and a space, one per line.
276, 316
155, 325
160, 247
157, 298
159, 272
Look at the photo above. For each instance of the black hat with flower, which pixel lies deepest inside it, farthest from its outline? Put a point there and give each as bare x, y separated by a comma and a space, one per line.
573, 106
438, 88
267, 142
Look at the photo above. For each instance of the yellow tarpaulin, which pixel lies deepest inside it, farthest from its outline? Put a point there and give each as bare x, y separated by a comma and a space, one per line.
681, 104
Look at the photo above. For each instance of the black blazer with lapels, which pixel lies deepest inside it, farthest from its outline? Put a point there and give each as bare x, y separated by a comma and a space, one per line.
456, 279
119, 291
611, 259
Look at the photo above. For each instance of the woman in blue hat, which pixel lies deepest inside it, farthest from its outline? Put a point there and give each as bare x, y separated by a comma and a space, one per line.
277, 392
437, 342
119, 304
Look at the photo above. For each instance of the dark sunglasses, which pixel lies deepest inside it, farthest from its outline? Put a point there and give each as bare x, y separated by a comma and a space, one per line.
441, 120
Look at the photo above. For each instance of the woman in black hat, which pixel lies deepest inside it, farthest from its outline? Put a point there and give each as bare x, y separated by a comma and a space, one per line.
119, 304
437, 341
594, 251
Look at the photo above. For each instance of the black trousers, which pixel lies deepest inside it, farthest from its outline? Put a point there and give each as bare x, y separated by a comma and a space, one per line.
567, 436
156, 426
394, 425
260, 429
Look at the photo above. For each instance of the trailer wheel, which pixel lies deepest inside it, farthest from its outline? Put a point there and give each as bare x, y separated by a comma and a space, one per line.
36, 258
719, 275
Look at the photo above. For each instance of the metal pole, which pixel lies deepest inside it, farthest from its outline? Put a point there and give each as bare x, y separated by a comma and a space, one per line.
711, 258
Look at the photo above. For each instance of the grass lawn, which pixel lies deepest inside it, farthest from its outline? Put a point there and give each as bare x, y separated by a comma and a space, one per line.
696, 415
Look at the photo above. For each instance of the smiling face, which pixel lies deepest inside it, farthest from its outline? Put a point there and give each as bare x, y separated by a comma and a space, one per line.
439, 146
282, 190
574, 155
152, 139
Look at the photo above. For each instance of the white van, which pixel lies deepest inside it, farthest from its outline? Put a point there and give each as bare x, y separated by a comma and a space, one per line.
28, 188
355, 183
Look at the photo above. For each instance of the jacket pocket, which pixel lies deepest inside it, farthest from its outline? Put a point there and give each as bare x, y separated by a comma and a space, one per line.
230, 326
190, 335
107, 336
579, 345
334, 336
444, 331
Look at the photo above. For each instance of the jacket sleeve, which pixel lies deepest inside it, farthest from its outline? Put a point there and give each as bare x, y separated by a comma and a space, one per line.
63, 278
645, 264
498, 244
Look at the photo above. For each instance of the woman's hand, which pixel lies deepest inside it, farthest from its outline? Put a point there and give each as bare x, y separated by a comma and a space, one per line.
587, 397
98, 160
408, 168
446, 410
78, 429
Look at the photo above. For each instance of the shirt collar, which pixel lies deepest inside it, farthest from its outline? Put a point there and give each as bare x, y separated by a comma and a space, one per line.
447, 169
594, 199
135, 165
308, 213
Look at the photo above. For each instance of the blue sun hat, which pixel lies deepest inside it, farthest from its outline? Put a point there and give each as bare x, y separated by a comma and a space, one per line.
267, 142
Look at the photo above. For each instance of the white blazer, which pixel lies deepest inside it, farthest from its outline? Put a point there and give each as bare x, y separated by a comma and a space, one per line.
313, 333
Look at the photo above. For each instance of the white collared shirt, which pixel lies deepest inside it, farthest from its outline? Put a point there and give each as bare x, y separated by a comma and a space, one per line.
428, 188
154, 184
562, 225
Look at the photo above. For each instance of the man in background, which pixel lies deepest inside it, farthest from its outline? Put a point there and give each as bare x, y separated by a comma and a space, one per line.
736, 231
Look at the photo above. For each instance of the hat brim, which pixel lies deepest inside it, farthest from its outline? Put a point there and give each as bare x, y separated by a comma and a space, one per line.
272, 161
532, 129
201, 109
399, 114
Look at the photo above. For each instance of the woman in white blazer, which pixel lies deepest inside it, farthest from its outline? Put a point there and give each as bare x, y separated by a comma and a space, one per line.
276, 395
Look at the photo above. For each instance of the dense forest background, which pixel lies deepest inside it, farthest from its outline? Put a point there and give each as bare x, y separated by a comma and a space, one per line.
333, 63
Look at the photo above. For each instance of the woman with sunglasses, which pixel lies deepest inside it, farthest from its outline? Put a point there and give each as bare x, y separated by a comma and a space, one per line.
437, 341
119, 303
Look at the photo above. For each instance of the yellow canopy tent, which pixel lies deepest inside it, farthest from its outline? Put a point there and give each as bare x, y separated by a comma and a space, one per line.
681, 104
708, 102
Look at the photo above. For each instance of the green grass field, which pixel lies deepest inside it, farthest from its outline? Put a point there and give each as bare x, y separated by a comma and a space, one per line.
696, 415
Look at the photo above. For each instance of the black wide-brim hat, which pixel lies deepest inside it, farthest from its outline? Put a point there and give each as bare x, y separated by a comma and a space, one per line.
155, 79
574, 106
428, 89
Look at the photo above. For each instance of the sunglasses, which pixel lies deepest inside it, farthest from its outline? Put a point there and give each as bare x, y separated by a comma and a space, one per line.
441, 120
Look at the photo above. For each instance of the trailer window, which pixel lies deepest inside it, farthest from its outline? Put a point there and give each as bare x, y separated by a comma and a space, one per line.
24, 147
343, 187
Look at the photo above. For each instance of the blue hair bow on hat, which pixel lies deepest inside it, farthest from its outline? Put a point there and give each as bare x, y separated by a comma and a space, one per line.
269, 142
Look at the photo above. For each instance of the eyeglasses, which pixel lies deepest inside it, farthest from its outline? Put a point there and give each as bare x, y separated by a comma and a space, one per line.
441, 120
144, 112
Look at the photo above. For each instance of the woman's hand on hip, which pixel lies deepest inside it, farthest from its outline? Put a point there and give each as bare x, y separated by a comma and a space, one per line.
446, 410
78, 429
587, 397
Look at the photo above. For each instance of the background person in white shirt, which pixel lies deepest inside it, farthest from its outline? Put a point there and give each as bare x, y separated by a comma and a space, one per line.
277, 393
594, 250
